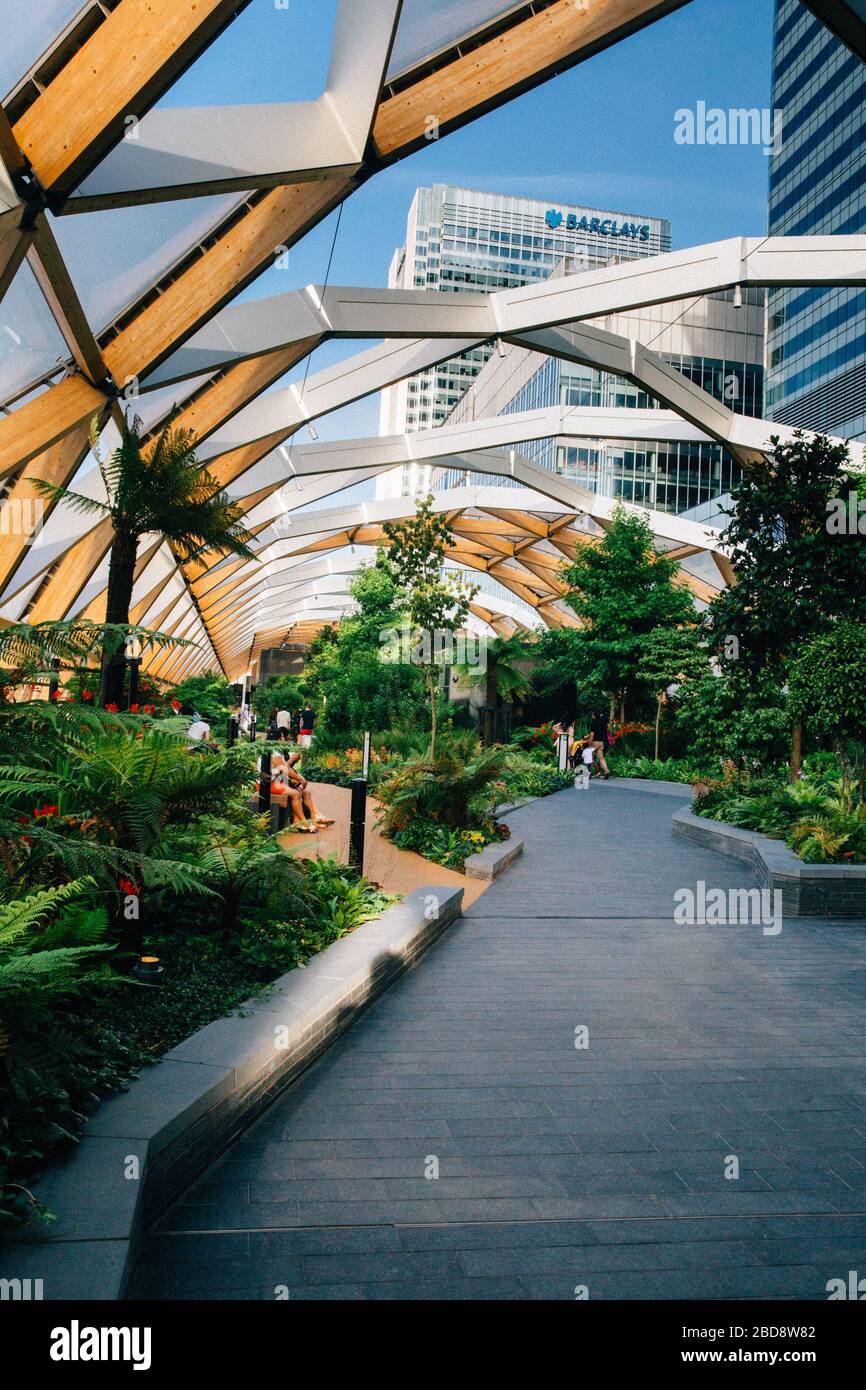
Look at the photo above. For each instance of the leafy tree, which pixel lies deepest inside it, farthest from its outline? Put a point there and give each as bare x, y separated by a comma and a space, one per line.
670, 656
827, 685
796, 570
209, 693
734, 716
346, 672
160, 489
278, 692
622, 589
436, 601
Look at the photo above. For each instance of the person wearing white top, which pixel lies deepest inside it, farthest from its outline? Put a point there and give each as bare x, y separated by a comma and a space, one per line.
284, 723
199, 731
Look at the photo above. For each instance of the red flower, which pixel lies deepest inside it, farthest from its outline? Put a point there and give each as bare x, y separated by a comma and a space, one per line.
23, 820
133, 709
126, 885
46, 810
112, 709
148, 709
87, 694
57, 694
175, 704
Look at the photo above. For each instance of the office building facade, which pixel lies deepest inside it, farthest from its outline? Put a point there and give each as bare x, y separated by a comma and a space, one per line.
816, 338
459, 240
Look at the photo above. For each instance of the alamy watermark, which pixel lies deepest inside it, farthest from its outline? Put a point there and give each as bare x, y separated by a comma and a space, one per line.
729, 907
416, 646
846, 516
22, 517
738, 125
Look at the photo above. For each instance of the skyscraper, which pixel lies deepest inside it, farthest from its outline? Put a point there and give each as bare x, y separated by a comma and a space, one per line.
459, 240
816, 339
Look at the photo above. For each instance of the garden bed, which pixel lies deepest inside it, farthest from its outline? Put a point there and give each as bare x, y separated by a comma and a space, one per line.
142, 1149
808, 890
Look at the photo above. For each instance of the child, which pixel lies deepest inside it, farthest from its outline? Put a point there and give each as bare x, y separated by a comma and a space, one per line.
581, 781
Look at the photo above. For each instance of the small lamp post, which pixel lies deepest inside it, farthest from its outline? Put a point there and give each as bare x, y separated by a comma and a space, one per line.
133, 661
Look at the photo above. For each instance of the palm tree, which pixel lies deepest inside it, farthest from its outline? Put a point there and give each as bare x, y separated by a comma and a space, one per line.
159, 488
502, 677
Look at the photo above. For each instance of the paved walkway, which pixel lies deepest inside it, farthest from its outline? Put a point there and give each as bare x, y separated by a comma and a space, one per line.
562, 1167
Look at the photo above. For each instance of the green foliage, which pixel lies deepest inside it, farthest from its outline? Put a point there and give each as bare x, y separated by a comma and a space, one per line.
210, 694
458, 789
814, 816
622, 589
279, 692
656, 769
346, 676
47, 944
153, 488
734, 716
793, 573
503, 674
827, 685
450, 848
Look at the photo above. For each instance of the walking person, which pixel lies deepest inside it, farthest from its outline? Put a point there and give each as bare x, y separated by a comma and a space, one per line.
284, 723
308, 723
564, 728
599, 736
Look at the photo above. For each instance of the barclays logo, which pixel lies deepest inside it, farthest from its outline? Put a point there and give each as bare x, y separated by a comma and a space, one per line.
597, 226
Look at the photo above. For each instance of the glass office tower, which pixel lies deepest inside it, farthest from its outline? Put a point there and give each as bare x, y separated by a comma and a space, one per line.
459, 240
816, 338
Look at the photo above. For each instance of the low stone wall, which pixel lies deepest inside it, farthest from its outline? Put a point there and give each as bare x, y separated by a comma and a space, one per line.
144, 1146
808, 890
493, 860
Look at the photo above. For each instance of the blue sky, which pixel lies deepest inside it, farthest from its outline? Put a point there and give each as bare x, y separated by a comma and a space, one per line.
599, 134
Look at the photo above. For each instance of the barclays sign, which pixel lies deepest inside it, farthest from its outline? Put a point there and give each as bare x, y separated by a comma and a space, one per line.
598, 226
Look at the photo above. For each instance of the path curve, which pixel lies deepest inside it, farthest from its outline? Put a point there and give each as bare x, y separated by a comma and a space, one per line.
562, 1167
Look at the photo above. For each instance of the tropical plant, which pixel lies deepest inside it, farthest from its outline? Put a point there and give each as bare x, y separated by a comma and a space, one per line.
152, 487
453, 790
500, 670
47, 944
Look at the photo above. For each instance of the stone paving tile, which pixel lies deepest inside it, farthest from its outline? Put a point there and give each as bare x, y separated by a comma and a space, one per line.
557, 1161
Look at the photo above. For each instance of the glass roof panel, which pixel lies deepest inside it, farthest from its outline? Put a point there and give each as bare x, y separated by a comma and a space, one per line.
28, 30
268, 53
114, 256
30, 341
427, 26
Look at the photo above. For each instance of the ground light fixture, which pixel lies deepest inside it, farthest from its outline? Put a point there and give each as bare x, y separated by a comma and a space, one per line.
149, 970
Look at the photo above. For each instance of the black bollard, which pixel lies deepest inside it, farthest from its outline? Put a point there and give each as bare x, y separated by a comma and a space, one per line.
231, 737
253, 727
357, 823
134, 663
265, 784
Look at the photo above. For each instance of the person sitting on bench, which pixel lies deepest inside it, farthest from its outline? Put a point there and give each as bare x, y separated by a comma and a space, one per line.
299, 784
